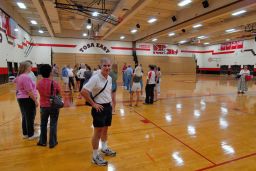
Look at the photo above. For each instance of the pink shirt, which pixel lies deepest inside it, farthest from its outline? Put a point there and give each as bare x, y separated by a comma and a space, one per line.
24, 84
44, 88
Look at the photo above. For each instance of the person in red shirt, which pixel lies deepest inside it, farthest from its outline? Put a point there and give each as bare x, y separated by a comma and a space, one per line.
44, 88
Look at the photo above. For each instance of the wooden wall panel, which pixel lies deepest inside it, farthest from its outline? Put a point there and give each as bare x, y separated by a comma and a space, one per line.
170, 65
62, 59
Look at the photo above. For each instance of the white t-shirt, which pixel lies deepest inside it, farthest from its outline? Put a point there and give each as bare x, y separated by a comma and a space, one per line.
243, 72
80, 73
95, 84
70, 72
32, 76
151, 77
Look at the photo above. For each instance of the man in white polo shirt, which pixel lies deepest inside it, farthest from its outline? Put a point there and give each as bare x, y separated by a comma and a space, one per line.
100, 86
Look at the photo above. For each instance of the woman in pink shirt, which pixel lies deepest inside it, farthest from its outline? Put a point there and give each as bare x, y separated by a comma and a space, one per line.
44, 88
26, 95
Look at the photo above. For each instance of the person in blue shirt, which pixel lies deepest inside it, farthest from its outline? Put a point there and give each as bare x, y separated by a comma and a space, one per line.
128, 74
65, 78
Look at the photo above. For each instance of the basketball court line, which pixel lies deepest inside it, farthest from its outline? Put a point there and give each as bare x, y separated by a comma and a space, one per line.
74, 139
186, 97
4, 123
176, 138
227, 162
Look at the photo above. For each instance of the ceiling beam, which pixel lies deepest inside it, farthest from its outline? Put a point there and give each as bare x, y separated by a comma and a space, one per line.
53, 15
43, 16
218, 27
119, 12
188, 18
133, 11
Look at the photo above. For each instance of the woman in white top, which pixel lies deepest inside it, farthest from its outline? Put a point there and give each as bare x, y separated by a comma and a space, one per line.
242, 85
136, 86
80, 75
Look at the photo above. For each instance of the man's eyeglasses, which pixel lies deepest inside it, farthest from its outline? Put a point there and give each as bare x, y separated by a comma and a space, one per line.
106, 65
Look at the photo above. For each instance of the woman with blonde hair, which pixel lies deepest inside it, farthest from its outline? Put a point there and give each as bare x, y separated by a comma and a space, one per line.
136, 86
26, 96
113, 75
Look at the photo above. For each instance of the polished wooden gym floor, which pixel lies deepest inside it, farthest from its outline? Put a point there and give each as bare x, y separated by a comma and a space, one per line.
198, 123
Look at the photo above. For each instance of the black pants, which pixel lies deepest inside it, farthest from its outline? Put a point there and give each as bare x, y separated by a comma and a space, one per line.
53, 113
28, 111
149, 93
81, 83
71, 82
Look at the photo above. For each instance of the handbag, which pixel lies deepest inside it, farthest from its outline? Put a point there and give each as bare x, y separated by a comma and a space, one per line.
56, 100
248, 78
89, 104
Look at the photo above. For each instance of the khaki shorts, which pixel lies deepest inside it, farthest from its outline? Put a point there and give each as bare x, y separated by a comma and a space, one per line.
136, 87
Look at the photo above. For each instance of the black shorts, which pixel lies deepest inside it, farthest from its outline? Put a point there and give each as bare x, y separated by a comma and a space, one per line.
103, 118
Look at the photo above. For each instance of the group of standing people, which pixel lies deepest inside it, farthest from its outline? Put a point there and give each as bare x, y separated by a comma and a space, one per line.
27, 97
133, 82
99, 89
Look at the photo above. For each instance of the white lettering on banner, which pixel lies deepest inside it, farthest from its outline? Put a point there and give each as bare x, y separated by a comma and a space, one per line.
144, 46
97, 45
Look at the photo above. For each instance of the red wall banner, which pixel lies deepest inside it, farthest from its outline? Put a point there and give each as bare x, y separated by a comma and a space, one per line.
231, 45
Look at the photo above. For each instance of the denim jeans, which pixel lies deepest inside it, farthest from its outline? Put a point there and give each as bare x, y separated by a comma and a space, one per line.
28, 112
47, 112
128, 82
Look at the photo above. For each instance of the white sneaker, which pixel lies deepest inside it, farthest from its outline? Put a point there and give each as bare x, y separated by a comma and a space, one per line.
109, 152
99, 160
35, 136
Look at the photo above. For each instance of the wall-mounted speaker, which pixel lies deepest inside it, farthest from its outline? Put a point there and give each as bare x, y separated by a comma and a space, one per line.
205, 4
174, 18
138, 25
183, 30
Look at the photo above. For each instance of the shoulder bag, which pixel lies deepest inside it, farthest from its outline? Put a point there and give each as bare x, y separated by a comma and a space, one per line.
56, 100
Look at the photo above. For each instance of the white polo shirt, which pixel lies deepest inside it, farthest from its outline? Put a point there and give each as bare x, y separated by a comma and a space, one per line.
95, 84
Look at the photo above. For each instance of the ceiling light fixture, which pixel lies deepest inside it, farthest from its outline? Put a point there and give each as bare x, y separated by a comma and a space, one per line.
89, 24
197, 25
227, 40
40, 31
152, 20
95, 14
84, 34
21, 5
134, 30
182, 41
231, 30
16, 29
184, 2
154, 40
171, 34
238, 12
33, 22
206, 43
202, 37
122, 37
